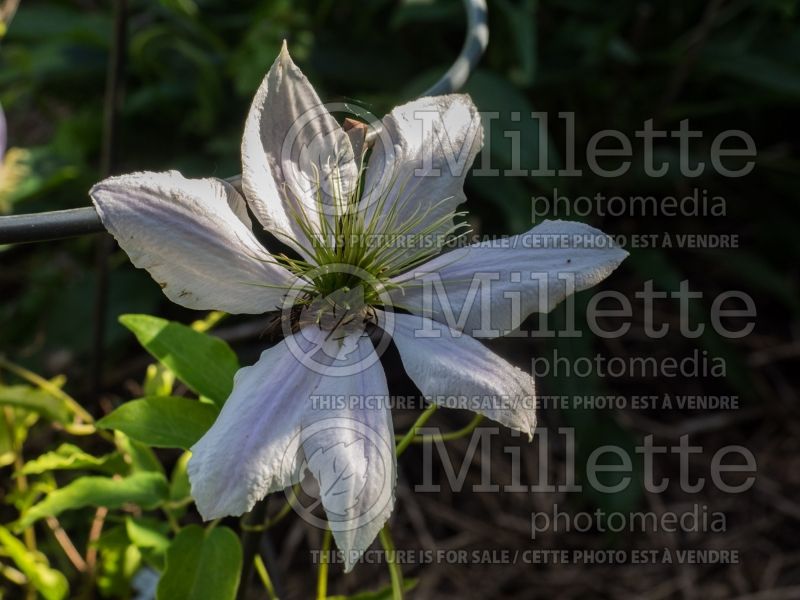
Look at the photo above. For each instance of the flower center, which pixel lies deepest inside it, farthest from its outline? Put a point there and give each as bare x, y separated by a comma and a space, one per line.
355, 247
344, 310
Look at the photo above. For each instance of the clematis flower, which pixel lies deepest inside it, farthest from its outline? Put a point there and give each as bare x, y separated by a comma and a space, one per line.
367, 244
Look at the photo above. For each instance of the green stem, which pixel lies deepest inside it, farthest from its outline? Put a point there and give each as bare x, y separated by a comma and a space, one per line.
453, 435
209, 321
48, 387
261, 569
322, 577
174, 525
279, 516
395, 574
251, 538
409, 436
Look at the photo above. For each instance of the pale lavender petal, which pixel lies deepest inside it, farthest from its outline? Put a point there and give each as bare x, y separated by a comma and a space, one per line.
252, 448
284, 416
292, 147
192, 236
418, 165
488, 289
454, 370
349, 445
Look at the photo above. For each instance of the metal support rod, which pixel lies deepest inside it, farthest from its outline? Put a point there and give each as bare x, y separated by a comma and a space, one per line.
45, 226
51, 225
475, 43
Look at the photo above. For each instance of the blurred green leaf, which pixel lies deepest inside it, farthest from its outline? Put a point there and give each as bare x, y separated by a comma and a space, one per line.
36, 400
411, 12
147, 533
186, 7
772, 74
142, 457
204, 363
509, 195
179, 487
164, 422
51, 584
158, 381
52, 20
69, 456
32, 172
150, 537
148, 490
14, 425
493, 93
522, 21
202, 565
7, 447
119, 562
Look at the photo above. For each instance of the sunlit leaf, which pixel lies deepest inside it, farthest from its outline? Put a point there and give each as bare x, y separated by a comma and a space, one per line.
204, 363
179, 487
158, 381
142, 457
36, 400
165, 422
69, 456
119, 562
7, 448
13, 432
147, 533
51, 584
146, 490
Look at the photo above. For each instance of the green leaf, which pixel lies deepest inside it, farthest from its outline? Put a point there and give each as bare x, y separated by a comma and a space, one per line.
35, 400
51, 584
180, 490
777, 76
119, 562
523, 24
164, 422
7, 447
202, 564
69, 456
141, 455
204, 363
13, 433
179, 486
158, 381
147, 533
492, 92
147, 489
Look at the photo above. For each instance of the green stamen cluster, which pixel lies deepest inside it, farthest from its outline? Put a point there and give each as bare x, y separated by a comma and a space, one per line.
363, 239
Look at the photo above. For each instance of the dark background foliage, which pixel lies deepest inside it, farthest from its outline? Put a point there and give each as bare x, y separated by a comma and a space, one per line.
192, 68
